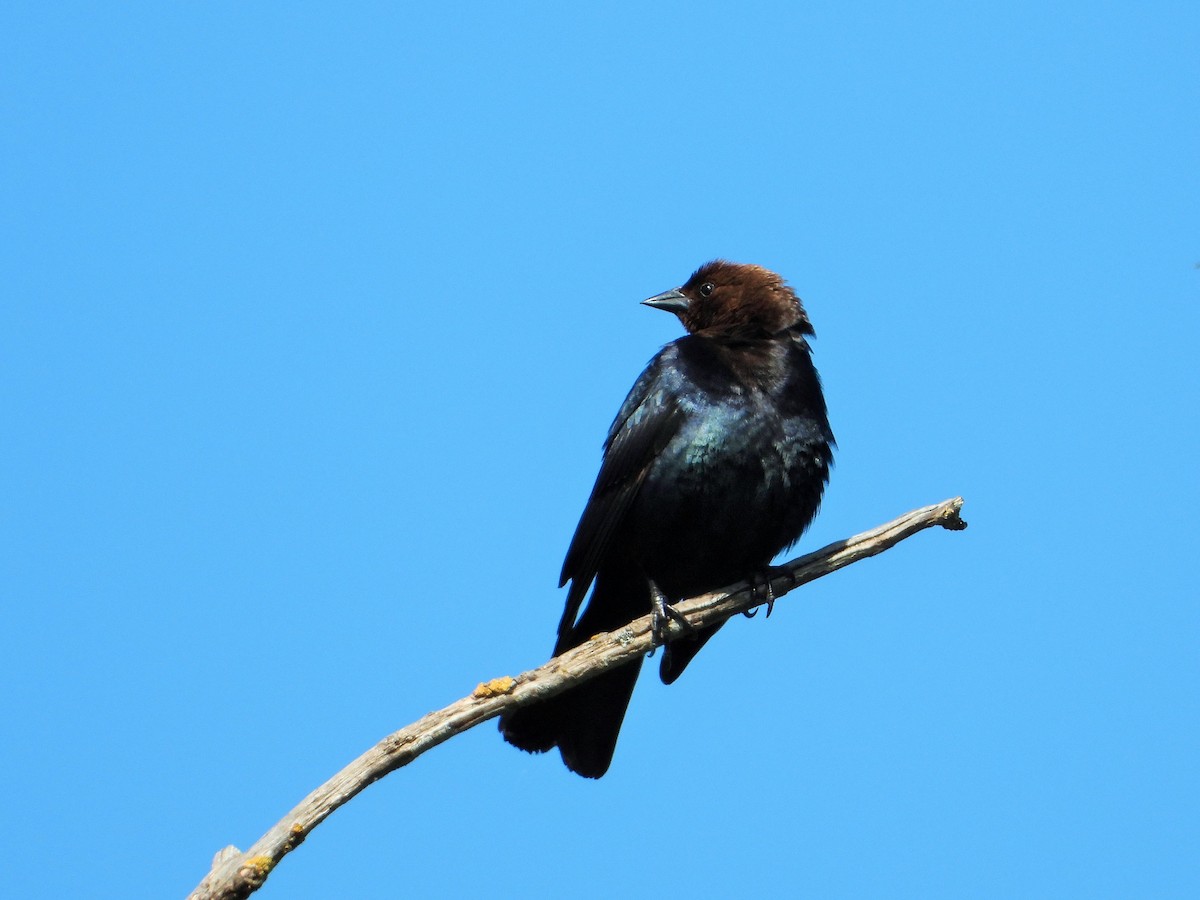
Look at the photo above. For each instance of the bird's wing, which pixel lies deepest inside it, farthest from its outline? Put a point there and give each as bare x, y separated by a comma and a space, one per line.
648, 419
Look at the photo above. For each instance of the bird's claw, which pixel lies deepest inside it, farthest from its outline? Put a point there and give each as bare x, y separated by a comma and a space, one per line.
662, 614
754, 589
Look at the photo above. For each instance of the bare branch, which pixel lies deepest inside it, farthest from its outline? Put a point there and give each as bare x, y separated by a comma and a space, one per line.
236, 875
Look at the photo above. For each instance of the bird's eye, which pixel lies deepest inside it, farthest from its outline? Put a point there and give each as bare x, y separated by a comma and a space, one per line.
706, 288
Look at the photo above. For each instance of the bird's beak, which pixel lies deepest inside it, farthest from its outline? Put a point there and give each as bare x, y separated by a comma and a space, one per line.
674, 301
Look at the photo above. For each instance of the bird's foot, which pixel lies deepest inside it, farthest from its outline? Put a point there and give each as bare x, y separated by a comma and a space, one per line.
662, 614
755, 588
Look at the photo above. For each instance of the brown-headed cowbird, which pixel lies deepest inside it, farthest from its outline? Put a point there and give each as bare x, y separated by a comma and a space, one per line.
716, 462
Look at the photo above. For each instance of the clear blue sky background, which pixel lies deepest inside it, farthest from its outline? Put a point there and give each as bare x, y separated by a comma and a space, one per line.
313, 320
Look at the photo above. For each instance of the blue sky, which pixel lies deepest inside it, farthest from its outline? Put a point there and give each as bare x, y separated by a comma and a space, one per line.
315, 317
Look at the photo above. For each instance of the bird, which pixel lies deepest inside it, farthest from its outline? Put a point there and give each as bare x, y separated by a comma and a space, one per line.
716, 461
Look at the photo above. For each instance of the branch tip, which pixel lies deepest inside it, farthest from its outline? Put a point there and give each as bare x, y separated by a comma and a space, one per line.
951, 518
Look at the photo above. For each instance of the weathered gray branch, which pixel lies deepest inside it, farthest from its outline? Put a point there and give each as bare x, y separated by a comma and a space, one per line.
236, 875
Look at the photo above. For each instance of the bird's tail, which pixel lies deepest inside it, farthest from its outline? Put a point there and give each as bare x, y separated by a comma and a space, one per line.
585, 721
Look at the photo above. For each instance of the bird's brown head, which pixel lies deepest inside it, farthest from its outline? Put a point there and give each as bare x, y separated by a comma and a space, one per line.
733, 298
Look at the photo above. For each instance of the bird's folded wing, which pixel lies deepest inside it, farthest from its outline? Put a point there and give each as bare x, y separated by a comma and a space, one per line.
648, 419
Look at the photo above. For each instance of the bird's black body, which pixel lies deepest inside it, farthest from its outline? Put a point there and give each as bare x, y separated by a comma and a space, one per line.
716, 461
